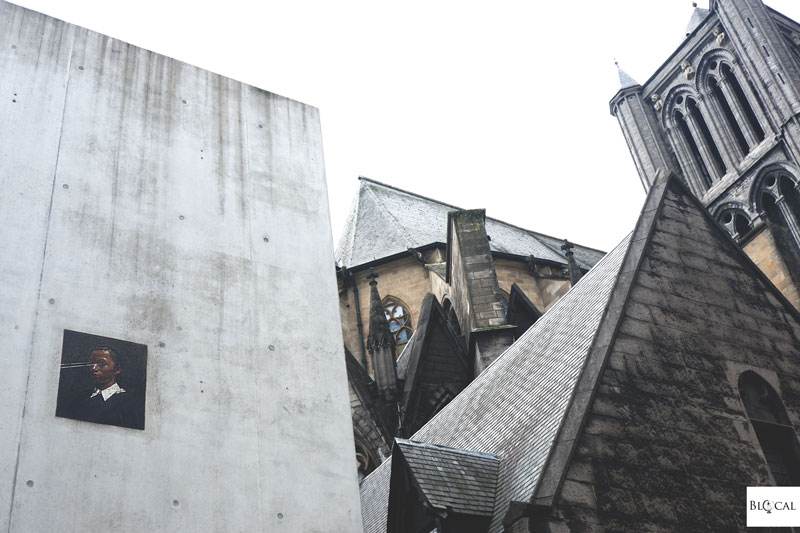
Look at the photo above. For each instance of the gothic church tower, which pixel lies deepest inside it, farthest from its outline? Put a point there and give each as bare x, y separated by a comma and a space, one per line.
724, 112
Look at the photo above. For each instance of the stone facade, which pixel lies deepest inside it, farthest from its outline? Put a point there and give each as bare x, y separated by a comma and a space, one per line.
463, 329
667, 444
722, 112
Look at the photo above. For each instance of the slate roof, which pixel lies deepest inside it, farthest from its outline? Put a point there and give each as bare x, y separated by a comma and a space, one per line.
452, 479
514, 408
698, 16
625, 79
385, 221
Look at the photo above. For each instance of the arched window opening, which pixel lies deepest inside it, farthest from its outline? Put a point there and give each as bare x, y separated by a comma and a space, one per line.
366, 464
744, 104
399, 319
680, 121
450, 313
727, 112
736, 222
775, 432
780, 202
705, 133
504, 297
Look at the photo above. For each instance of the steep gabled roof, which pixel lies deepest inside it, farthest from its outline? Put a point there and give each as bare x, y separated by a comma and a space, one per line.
385, 221
452, 479
514, 408
530, 406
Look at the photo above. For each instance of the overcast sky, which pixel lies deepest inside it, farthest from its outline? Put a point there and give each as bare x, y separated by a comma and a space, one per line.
500, 105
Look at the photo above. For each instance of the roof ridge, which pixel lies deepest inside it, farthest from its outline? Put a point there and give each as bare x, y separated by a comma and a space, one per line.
533, 233
423, 444
548, 484
402, 228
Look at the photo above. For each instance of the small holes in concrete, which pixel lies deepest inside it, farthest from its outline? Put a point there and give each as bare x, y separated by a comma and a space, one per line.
179, 328
161, 344
184, 101
271, 348
52, 300
266, 239
260, 126
181, 217
13, 46
176, 503
65, 186
80, 67
280, 516
29, 483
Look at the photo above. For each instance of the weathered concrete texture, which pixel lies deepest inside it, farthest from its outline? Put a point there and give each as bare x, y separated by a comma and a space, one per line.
667, 445
148, 200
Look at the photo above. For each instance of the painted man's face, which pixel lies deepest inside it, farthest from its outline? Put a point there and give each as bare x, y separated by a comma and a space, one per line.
103, 369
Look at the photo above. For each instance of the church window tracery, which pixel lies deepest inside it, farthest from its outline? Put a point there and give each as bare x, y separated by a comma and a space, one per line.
736, 222
399, 319
775, 433
779, 201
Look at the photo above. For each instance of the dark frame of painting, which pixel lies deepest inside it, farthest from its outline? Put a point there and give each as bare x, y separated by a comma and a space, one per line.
76, 389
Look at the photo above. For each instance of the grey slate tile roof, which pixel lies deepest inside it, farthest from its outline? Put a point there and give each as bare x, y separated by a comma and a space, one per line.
384, 221
625, 79
698, 16
453, 479
514, 408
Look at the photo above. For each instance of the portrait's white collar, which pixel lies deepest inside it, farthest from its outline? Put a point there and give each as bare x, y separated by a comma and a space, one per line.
108, 392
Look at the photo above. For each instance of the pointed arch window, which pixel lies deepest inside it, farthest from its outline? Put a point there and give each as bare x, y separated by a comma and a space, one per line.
749, 118
694, 151
399, 319
775, 432
736, 222
779, 201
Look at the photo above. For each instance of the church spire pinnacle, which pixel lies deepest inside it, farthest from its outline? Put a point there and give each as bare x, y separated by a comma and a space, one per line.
625, 80
380, 343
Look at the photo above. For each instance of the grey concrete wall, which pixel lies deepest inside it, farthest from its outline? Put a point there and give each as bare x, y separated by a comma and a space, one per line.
151, 201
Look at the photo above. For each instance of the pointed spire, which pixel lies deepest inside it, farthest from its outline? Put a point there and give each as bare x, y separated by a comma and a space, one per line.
379, 334
698, 16
380, 343
625, 80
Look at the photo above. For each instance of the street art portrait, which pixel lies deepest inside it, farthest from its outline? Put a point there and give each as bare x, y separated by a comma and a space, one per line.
102, 380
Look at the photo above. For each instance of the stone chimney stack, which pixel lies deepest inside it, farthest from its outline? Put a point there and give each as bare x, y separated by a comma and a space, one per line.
380, 344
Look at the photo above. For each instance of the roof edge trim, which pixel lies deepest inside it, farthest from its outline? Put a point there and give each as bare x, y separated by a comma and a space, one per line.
548, 485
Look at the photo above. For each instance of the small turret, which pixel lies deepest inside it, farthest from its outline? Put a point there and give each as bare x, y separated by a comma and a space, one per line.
380, 344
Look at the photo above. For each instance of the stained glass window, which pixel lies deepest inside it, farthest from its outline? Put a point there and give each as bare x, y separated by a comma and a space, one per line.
399, 320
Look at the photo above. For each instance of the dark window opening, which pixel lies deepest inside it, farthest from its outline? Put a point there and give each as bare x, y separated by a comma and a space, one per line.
691, 106
775, 433
743, 102
727, 112
694, 151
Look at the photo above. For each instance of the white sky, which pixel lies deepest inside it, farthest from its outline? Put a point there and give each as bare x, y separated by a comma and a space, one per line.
500, 105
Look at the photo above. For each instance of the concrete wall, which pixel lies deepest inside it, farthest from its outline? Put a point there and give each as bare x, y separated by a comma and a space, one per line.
151, 201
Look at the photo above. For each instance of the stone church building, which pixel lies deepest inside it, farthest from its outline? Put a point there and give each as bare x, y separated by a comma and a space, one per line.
429, 295
667, 380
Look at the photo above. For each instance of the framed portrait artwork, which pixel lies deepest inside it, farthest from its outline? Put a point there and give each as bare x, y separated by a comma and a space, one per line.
102, 380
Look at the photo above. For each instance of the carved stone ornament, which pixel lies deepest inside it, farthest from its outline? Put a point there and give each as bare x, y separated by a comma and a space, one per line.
657, 102
688, 71
796, 38
719, 35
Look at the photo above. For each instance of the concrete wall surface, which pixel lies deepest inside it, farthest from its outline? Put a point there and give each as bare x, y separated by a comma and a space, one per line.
147, 200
